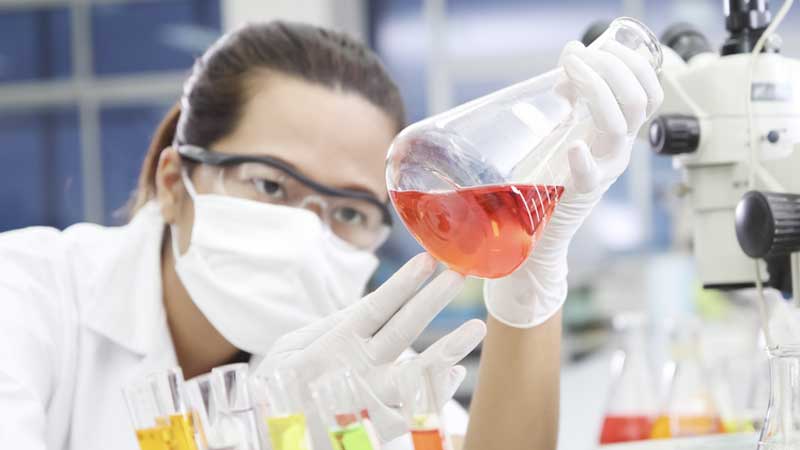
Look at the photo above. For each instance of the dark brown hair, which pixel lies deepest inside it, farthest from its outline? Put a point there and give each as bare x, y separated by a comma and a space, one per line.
216, 92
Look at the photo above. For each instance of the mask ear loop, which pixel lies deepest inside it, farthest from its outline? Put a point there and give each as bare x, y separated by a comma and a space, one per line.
187, 184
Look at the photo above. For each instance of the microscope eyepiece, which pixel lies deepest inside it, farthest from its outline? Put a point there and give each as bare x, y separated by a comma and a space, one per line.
745, 21
594, 31
686, 40
674, 134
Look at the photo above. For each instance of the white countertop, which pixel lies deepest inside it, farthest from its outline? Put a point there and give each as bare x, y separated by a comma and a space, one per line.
739, 441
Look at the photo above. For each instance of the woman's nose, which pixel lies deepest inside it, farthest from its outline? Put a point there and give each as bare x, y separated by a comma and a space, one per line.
315, 205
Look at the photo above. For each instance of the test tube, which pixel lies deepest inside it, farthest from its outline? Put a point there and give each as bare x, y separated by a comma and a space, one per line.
283, 410
342, 412
214, 430
231, 394
197, 393
427, 431
173, 413
143, 411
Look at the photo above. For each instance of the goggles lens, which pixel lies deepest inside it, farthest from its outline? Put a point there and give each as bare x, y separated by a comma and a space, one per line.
354, 220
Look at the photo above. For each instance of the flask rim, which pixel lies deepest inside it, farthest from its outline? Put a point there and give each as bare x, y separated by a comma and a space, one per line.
647, 35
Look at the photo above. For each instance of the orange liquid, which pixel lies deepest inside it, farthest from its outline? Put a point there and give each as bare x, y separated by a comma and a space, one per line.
625, 428
681, 426
695, 425
485, 231
343, 420
661, 428
427, 439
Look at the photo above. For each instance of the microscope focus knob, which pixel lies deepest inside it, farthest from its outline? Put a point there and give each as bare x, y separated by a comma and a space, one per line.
768, 223
673, 134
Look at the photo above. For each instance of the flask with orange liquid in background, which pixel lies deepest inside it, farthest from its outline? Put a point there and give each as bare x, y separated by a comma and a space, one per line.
631, 406
690, 408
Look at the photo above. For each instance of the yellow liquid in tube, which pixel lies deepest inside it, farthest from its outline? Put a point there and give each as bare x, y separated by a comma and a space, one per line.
181, 432
288, 432
176, 433
153, 438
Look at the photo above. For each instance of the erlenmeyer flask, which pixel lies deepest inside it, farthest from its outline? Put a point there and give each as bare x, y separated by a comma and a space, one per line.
782, 424
632, 406
477, 184
691, 409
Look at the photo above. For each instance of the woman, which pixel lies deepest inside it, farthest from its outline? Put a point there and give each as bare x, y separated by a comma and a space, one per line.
259, 206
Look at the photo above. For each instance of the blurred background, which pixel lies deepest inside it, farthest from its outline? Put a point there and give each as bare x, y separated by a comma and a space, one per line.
83, 84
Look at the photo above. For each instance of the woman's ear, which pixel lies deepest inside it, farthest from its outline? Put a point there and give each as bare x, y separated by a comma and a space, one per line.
170, 191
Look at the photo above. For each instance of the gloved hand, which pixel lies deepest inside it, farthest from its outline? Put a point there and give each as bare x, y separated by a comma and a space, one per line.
370, 335
621, 91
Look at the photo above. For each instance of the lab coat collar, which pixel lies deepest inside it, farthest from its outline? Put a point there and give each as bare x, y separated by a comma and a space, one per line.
127, 291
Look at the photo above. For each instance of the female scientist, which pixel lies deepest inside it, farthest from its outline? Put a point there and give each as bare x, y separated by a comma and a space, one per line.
259, 207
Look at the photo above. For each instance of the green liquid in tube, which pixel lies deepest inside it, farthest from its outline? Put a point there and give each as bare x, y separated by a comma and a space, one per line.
354, 437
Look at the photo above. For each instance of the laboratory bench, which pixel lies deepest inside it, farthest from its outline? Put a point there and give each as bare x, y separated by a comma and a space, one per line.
738, 441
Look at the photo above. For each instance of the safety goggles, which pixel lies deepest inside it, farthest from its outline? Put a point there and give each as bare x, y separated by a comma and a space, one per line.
354, 216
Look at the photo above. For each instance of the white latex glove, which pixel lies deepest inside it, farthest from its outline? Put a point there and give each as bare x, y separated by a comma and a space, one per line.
370, 335
621, 91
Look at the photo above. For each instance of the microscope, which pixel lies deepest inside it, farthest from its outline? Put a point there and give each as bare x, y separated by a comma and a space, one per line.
731, 123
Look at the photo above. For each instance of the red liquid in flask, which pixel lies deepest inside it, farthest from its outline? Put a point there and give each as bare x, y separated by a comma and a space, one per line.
486, 231
625, 428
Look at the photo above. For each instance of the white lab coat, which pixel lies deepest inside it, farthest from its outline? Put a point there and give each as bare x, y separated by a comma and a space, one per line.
81, 315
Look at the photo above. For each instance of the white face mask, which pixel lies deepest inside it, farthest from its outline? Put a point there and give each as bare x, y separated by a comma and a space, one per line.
258, 271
